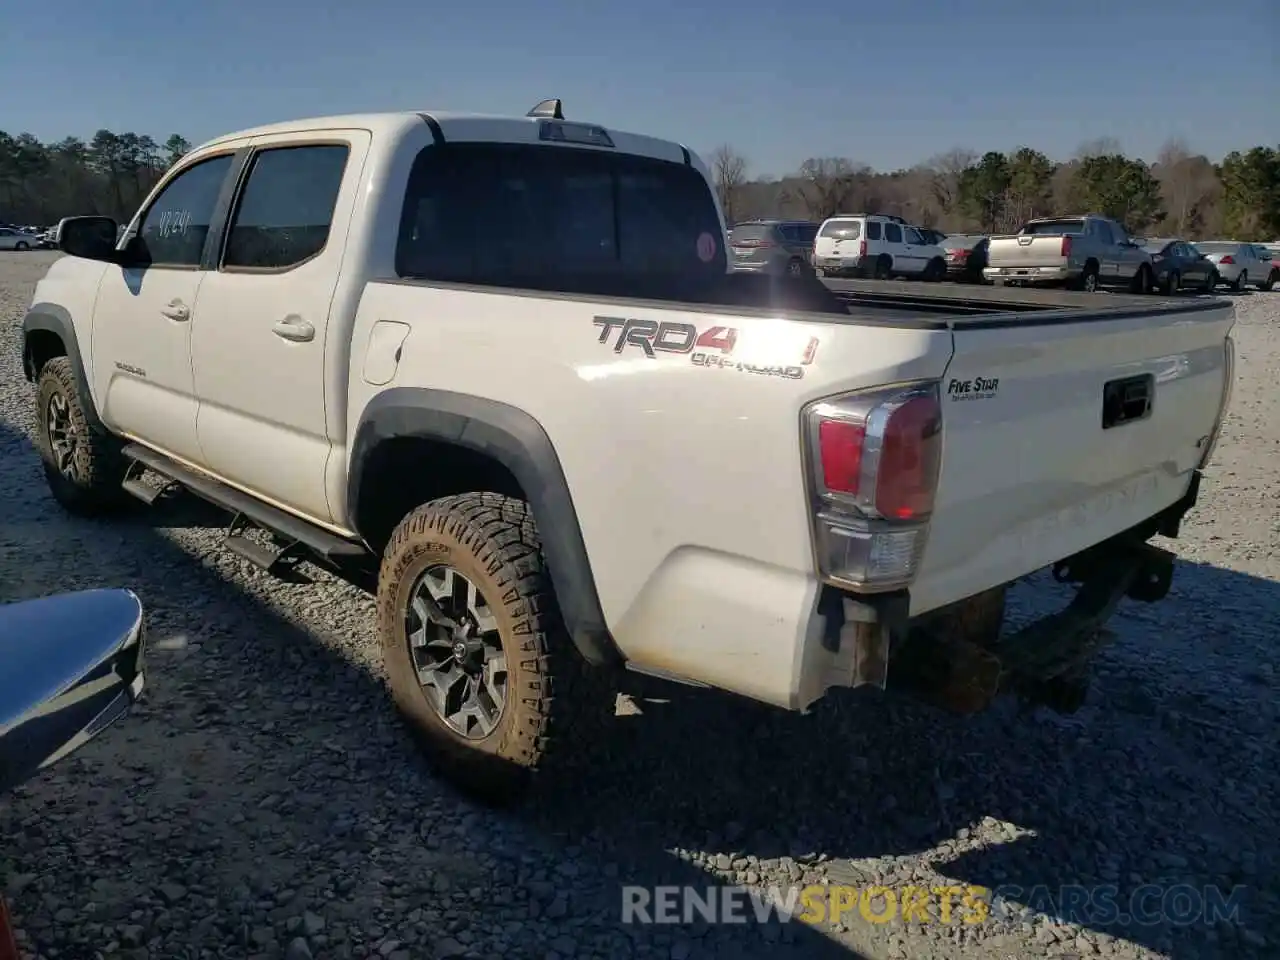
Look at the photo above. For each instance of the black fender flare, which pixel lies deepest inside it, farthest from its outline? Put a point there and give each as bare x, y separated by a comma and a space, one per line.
518, 441
51, 318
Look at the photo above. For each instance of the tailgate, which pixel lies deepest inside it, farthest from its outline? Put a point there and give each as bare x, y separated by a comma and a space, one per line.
1033, 470
1025, 251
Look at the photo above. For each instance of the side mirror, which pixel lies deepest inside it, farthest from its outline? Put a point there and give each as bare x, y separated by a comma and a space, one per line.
92, 238
70, 666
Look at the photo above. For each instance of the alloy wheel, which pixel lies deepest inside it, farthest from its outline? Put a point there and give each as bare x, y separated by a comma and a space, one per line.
456, 648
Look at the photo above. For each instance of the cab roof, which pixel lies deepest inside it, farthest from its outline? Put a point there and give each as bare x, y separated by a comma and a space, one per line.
467, 127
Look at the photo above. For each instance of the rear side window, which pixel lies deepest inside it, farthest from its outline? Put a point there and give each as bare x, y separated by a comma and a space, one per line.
893, 233
1054, 228
286, 207
801, 232
558, 218
873, 230
843, 229
754, 232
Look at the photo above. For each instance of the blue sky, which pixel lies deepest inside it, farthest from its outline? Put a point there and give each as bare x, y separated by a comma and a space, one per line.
885, 84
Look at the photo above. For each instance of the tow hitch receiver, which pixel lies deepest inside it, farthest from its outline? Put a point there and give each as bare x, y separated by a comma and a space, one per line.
1046, 662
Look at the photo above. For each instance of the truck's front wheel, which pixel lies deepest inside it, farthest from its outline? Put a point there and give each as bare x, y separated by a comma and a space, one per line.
82, 462
476, 654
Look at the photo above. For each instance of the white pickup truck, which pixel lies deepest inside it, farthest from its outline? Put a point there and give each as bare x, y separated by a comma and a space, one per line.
501, 365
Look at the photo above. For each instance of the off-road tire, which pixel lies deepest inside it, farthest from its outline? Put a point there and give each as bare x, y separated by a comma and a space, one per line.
557, 705
91, 483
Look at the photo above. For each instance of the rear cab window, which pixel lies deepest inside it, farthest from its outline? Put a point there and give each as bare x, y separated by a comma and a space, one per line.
753, 232
842, 229
873, 230
557, 218
1053, 228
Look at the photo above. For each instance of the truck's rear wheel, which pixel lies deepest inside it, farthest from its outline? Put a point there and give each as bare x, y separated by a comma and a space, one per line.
1089, 278
883, 268
82, 462
476, 654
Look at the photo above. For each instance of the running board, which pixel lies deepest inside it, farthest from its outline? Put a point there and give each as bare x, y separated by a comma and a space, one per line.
248, 512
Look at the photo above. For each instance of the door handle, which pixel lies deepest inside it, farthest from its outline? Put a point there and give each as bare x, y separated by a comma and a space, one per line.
295, 329
176, 310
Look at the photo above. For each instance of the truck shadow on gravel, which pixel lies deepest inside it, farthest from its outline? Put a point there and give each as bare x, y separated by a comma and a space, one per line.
264, 791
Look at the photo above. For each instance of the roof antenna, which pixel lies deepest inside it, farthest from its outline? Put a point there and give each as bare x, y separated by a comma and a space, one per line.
548, 109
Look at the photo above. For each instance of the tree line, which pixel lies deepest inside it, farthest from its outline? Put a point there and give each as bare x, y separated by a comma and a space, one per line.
40, 183
1179, 194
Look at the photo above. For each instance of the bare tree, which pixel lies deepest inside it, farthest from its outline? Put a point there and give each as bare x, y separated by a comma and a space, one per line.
826, 184
1188, 183
1099, 147
729, 171
944, 181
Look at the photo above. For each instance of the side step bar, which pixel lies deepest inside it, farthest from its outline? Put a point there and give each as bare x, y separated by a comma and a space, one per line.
248, 512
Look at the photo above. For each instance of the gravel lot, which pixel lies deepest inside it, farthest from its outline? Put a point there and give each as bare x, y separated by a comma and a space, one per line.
265, 802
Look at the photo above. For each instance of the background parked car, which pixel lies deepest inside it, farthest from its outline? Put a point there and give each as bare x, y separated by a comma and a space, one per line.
773, 246
877, 246
966, 255
1241, 264
1178, 264
14, 239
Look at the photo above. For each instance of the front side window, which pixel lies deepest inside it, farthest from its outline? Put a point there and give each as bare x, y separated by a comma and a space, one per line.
550, 217
173, 231
286, 207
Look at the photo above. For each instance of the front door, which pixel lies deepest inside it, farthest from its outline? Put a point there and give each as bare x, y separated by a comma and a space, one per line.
260, 346
143, 316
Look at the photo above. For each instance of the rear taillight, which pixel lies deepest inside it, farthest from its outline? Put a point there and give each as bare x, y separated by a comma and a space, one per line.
873, 464
1224, 404
1228, 259
1066, 247
862, 249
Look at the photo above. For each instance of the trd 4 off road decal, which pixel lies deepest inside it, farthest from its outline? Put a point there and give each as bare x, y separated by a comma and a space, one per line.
712, 347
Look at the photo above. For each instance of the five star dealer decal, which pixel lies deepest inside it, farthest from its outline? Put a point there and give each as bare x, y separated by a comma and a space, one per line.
712, 347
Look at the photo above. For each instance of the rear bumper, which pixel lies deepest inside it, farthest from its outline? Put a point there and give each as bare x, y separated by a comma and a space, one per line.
1032, 274
781, 637
841, 266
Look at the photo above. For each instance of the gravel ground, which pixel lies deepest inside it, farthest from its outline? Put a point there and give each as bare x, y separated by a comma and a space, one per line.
265, 802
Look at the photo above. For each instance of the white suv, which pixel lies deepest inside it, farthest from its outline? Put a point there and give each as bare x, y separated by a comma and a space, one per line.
864, 245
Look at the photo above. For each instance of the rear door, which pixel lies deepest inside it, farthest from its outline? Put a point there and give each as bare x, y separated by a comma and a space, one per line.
838, 238
915, 249
1035, 464
753, 245
896, 247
